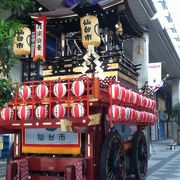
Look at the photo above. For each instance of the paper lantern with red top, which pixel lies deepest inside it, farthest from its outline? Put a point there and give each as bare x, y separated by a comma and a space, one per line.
114, 91
123, 113
154, 119
149, 117
147, 105
78, 88
141, 101
131, 96
145, 117
150, 104
77, 110
59, 90
7, 113
134, 98
23, 112
41, 112
116, 112
136, 116
138, 100
153, 104
59, 111
41, 91
142, 116
127, 95
145, 102
121, 96
127, 114
132, 114
24, 92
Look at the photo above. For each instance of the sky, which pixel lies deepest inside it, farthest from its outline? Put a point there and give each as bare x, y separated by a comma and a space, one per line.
174, 9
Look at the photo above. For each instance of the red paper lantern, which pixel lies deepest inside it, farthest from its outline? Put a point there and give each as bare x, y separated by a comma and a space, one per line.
41, 112
78, 88
59, 111
77, 110
127, 95
7, 113
150, 104
122, 94
123, 113
132, 113
145, 117
141, 100
145, 102
147, 105
23, 112
24, 92
142, 116
134, 98
59, 90
154, 119
114, 91
149, 117
153, 104
131, 96
127, 114
136, 116
41, 91
116, 112
138, 100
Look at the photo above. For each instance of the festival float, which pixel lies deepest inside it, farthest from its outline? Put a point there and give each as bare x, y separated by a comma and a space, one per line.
83, 117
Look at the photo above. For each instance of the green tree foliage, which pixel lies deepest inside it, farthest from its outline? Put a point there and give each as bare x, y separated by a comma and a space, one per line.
15, 6
8, 28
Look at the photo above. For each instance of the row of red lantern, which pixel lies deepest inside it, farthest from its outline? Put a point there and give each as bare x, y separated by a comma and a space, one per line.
41, 112
117, 92
59, 90
121, 113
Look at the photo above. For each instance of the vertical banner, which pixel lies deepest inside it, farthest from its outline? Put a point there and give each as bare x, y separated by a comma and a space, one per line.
32, 44
154, 74
40, 39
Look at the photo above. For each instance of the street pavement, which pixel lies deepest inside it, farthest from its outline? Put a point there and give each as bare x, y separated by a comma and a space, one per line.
164, 164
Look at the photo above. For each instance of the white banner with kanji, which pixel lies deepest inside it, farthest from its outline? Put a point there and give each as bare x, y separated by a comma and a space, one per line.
40, 39
154, 74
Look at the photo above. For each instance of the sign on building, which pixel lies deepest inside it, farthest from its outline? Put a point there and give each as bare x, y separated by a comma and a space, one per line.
154, 74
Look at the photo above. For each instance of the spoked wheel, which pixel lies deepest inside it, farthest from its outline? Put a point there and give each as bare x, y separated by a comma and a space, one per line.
140, 155
112, 165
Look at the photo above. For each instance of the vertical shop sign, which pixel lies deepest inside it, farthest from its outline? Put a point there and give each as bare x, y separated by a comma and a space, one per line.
40, 40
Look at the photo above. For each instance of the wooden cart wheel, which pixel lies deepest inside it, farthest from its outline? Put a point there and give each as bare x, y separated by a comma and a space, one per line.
112, 165
140, 155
